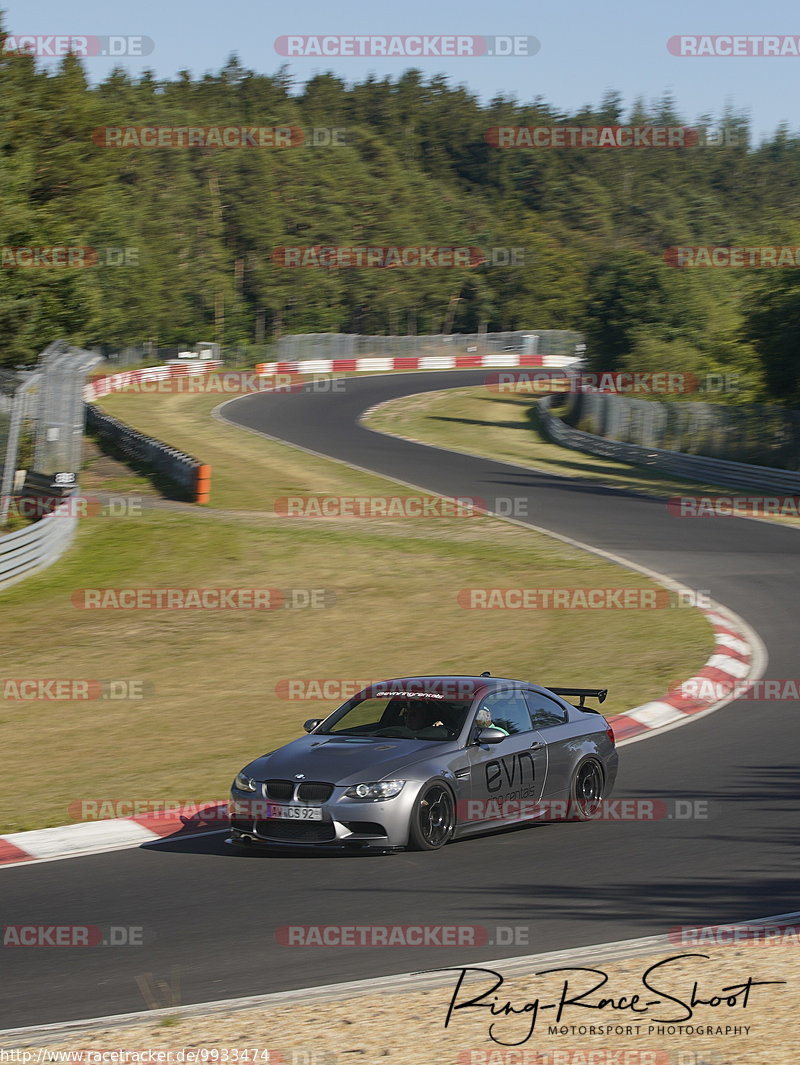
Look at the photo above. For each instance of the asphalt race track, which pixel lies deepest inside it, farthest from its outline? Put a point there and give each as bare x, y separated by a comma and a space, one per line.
209, 916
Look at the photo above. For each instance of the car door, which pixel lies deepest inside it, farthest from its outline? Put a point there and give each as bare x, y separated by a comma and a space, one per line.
507, 778
551, 720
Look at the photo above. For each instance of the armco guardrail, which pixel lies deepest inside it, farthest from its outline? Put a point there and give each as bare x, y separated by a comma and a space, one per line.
36, 546
693, 467
189, 474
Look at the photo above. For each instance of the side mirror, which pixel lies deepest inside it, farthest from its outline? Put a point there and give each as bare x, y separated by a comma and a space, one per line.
491, 735
312, 723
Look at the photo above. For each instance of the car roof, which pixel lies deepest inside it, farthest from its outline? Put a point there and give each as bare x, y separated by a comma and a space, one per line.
467, 685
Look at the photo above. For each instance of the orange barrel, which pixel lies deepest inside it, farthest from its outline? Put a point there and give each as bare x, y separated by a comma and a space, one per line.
202, 488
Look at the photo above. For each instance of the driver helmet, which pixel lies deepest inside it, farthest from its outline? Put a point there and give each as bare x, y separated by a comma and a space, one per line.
483, 718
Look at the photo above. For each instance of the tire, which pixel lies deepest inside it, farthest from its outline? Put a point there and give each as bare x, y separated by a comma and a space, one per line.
586, 791
433, 818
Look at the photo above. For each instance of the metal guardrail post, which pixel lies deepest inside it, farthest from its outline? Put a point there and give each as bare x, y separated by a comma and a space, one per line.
20, 408
60, 422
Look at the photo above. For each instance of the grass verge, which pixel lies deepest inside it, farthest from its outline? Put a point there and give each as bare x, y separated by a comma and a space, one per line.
210, 677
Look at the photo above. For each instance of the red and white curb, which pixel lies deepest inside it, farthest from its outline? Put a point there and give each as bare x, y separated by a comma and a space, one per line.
95, 837
380, 364
125, 379
731, 663
728, 668
119, 382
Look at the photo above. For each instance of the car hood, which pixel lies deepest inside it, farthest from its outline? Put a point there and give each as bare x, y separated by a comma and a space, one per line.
345, 760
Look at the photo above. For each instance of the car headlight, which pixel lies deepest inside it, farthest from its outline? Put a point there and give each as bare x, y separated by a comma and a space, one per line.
381, 789
244, 783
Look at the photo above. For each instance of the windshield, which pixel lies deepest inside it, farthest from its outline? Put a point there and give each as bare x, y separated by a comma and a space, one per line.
400, 716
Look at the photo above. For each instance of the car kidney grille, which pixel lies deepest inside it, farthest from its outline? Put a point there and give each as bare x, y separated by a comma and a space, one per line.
280, 790
297, 831
313, 792
308, 791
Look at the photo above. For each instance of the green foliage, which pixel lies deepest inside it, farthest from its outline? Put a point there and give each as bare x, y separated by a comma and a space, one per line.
773, 327
630, 291
418, 168
726, 371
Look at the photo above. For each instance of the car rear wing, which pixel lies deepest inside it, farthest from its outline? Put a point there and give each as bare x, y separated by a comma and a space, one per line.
581, 693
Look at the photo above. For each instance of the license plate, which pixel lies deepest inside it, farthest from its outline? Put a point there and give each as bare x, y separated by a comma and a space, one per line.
294, 813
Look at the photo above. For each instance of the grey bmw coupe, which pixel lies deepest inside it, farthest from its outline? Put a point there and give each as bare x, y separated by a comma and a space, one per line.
417, 762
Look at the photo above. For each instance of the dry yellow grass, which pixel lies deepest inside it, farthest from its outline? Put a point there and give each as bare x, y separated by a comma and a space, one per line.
211, 677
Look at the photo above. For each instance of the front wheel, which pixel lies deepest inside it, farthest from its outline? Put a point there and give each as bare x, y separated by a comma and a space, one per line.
433, 819
586, 791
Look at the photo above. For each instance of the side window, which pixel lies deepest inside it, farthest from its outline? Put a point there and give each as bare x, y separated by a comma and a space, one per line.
545, 711
509, 711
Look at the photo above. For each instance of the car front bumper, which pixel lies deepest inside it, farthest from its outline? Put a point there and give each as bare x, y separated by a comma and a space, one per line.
379, 825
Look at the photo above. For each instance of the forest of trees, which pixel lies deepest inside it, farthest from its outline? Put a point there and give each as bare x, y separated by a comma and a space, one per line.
417, 168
